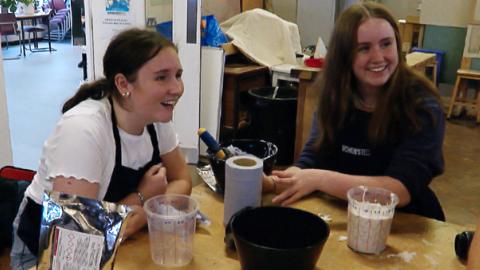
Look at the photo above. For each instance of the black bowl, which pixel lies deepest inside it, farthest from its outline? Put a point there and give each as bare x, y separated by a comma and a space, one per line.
259, 148
278, 238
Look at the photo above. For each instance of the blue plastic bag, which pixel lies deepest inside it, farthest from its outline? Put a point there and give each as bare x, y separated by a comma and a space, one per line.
165, 29
211, 33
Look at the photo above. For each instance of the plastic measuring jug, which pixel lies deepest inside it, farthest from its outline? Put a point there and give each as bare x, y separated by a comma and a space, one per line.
171, 228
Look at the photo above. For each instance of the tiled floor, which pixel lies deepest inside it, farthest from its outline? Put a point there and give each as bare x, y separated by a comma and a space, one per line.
38, 85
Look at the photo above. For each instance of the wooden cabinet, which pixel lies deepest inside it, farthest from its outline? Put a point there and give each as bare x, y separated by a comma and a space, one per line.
411, 32
238, 79
307, 102
251, 4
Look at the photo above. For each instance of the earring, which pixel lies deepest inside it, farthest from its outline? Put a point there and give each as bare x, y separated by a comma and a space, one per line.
126, 94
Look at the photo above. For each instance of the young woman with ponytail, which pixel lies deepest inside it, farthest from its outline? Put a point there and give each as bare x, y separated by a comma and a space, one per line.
115, 140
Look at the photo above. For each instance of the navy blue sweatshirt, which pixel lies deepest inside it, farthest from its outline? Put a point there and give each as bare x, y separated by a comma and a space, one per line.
414, 160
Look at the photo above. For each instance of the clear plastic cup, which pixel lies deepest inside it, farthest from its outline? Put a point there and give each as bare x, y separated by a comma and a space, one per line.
171, 228
370, 214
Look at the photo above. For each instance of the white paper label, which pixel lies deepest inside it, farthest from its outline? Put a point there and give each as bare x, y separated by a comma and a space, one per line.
74, 250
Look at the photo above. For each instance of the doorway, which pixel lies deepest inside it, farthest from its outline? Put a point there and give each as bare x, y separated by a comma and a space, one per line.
36, 87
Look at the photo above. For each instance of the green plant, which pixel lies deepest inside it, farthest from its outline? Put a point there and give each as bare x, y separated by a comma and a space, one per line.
26, 2
11, 5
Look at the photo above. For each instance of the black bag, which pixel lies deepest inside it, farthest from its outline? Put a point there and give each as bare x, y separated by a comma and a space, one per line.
11, 195
13, 183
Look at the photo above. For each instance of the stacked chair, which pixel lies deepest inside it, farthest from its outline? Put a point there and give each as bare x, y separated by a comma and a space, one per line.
60, 23
460, 97
8, 26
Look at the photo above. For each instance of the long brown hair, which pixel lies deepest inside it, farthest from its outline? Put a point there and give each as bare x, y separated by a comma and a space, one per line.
398, 100
126, 54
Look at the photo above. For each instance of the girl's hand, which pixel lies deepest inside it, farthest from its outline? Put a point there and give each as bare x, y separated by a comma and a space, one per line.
154, 182
136, 221
294, 185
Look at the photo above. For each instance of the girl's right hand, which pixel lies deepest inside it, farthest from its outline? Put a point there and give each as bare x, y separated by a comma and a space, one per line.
294, 185
154, 181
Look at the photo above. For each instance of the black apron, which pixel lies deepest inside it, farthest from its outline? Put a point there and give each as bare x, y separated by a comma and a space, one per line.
124, 181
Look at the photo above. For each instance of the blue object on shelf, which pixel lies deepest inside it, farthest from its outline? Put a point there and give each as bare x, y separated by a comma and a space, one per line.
439, 58
211, 33
165, 29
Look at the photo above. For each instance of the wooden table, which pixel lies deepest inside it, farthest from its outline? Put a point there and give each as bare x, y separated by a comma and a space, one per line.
421, 61
411, 32
428, 242
238, 79
34, 17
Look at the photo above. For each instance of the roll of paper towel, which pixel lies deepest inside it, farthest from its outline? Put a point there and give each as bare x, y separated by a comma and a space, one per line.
243, 184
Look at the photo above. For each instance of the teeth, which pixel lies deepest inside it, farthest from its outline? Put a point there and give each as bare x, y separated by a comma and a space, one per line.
377, 69
169, 102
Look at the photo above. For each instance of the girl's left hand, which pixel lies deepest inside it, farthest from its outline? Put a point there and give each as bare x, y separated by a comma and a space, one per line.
295, 184
136, 221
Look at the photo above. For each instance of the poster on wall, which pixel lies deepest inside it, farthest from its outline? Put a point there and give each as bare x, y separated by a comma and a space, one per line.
107, 18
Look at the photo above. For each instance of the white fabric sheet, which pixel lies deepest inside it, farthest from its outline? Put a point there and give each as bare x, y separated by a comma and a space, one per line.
264, 37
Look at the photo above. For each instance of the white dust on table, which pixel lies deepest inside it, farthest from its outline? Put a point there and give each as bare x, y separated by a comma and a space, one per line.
325, 217
426, 242
404, 255
407, 256
430, 259
342, 238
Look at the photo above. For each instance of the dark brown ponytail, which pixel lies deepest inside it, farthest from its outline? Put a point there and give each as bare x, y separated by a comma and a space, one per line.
94, 90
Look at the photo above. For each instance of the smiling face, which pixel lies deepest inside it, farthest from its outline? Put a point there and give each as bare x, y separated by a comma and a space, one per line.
157, 88
376, 56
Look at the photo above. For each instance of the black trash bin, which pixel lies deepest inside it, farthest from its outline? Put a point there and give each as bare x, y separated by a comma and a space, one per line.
273, 112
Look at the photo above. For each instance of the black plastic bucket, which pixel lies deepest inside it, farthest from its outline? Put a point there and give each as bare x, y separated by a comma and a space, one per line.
259, 148
273, 113
278, 238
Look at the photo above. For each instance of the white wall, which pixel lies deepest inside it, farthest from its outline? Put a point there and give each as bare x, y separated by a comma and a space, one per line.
401, 9
285, 9
456, 13
161, 11
476, 15
5, 143
315, 18
224, 9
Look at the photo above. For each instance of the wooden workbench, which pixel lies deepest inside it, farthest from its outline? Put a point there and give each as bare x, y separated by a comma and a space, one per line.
411, 33
421, 61
414, 243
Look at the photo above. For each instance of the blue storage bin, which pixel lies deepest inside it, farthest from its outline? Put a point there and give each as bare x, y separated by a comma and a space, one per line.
439, 58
